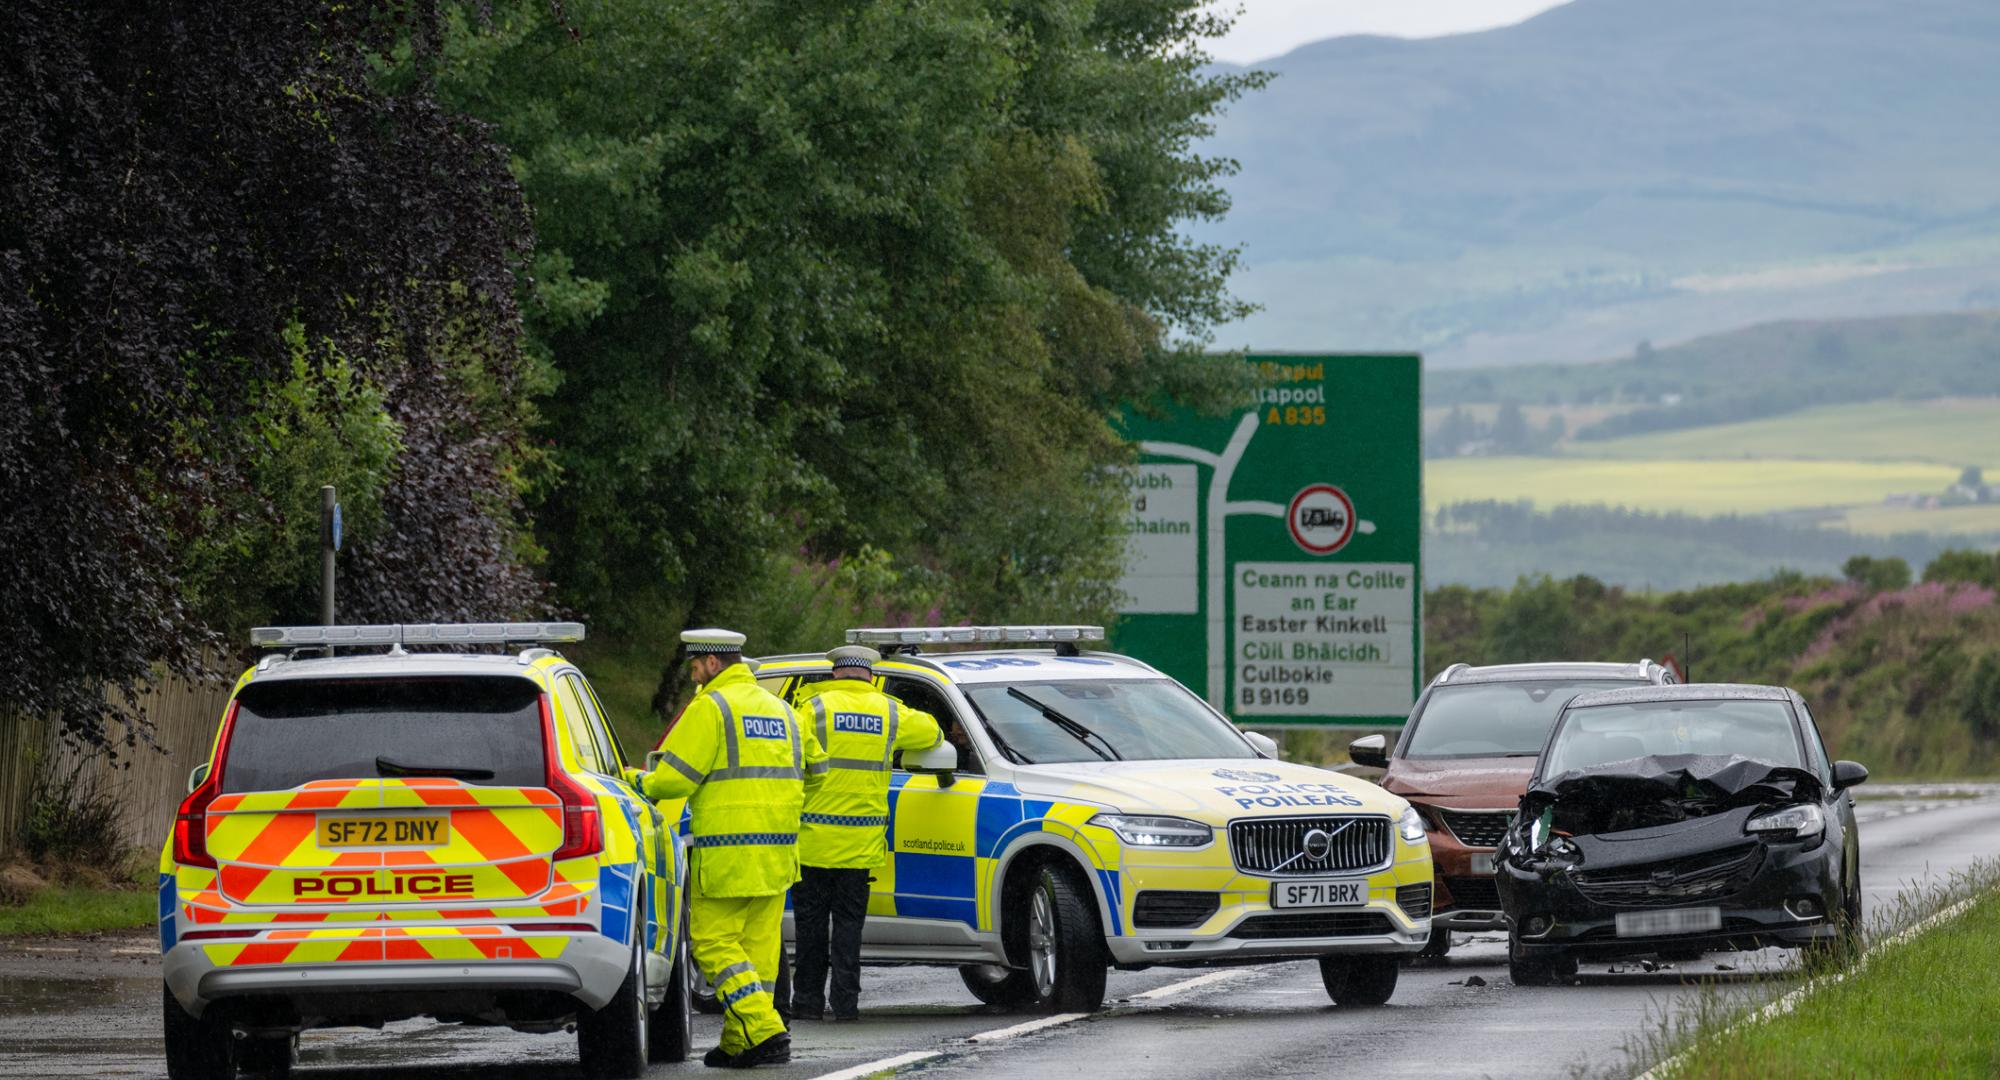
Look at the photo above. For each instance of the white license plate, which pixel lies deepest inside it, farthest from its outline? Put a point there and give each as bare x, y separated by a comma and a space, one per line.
1322, 892
1692, 920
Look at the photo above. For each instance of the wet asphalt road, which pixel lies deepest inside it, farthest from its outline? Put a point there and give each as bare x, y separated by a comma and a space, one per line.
71, 1008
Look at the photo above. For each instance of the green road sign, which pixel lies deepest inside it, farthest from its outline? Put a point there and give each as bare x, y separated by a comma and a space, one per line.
1275, 554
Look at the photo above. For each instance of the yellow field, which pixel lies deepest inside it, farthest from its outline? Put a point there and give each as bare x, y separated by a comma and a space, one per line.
1963, 431
1683, 484
1882, 520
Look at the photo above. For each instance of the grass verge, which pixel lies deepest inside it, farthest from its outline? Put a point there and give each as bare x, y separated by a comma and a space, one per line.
71, 909
1920, 1001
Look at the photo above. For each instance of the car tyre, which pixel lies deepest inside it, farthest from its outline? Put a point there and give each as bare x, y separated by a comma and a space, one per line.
996, 984
1539, 969
1359, 981
671, 1033
198, 1048
271, 1059
1064, 942
1437, 947
611, 1041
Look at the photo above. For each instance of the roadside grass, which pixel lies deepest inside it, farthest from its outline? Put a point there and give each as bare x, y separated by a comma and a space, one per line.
1680, 484
1955, 432
1919, 1001
74, 909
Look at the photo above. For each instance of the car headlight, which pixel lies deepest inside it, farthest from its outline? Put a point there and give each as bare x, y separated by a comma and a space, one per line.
1410, 826
1156, 831
1801, 822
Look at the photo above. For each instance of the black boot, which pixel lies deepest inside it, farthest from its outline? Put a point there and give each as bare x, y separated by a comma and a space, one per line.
775, 1050
718, 1058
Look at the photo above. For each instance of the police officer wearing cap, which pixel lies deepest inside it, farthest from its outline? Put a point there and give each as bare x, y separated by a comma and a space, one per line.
842, 832
744, 762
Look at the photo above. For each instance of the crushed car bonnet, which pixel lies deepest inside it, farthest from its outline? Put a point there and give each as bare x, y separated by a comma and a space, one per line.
1650, 791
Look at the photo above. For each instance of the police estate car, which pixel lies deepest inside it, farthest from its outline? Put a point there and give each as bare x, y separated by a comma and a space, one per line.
382, 835
1087, 811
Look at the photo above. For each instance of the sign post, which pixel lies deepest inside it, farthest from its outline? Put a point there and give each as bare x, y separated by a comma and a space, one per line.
1276, 554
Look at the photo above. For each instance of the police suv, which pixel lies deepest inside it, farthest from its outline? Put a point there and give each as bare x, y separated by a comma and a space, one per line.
387, 834
1088, 812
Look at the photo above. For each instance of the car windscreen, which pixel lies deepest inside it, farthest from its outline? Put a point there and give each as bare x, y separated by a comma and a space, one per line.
1594, 737
480, 729
1104, 720
1494, 719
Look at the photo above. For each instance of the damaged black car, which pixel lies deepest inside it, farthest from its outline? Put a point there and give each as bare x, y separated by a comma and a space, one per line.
1672, 821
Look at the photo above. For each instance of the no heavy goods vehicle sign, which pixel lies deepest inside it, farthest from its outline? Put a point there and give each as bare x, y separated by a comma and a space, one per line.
1275, 552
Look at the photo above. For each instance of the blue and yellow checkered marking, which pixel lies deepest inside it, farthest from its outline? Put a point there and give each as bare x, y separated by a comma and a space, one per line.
943, 859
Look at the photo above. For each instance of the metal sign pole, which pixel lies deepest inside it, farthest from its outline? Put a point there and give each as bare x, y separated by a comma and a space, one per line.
329, 542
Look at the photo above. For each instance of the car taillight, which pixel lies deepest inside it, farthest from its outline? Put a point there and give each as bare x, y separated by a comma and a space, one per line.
583, 833
191, 820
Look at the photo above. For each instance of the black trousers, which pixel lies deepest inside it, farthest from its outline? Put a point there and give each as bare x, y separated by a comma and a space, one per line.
826, 896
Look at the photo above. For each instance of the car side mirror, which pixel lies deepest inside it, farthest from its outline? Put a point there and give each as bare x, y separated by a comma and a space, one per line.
940, 761
195, 777
1846, 774
1370, 750
1264, 744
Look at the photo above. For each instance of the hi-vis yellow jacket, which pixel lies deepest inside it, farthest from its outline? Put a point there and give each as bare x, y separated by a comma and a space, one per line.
847, 817
744, 762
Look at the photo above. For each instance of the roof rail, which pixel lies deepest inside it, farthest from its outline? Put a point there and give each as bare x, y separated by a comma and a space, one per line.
399, 634
1447, 673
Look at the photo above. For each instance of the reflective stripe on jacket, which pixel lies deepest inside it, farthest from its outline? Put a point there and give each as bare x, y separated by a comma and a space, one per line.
846, 818
744, 762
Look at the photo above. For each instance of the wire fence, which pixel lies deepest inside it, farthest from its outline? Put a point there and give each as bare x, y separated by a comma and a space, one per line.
147, 780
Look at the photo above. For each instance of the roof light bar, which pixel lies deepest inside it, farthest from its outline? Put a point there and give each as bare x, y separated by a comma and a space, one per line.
966, 635
296, 637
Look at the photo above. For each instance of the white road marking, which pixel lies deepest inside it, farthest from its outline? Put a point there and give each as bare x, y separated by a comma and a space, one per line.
890, 1064
884, 1065
1190, 984
1025, 1029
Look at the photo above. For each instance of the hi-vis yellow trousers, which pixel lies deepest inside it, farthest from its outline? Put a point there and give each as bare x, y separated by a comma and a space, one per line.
737, 941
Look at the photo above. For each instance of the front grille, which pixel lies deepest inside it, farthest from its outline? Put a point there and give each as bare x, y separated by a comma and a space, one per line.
1277, 845
1672, 883
1312, 925
1477, 828
1415, 900
1164, 909
1473, 893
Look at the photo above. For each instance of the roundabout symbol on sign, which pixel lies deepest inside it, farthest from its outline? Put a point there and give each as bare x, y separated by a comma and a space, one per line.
1321, 518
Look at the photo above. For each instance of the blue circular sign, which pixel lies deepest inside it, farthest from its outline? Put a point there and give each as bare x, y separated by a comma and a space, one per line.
336, 526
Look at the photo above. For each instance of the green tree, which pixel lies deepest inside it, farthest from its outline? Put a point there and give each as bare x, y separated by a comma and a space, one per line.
1962, 565
815, 277
1877, 575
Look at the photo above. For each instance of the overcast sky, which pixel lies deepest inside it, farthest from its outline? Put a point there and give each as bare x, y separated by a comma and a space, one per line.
1268, 28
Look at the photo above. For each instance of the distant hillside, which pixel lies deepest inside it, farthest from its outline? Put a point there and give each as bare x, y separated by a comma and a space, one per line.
1618, 170
1756, 372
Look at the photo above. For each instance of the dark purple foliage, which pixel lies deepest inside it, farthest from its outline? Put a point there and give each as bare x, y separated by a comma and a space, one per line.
178, 180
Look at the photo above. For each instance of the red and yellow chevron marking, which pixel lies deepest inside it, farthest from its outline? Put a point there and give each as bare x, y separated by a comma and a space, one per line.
497, 847
392, 944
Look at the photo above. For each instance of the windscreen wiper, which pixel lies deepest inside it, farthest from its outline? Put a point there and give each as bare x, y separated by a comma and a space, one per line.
1082, 734
386, 767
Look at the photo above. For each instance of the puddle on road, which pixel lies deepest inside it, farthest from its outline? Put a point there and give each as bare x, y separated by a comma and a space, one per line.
42, 995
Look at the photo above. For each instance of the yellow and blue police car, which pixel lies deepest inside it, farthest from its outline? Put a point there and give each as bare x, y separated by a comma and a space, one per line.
1089, 812
388, 834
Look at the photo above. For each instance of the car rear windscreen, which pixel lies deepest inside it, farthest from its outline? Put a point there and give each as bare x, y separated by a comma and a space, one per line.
1511, 718
479, 729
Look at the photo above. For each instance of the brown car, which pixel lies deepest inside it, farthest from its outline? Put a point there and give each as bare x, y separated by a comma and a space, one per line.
1463, 761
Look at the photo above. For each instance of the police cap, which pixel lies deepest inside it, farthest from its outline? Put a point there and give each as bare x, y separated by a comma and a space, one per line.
712, 640
854, 656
